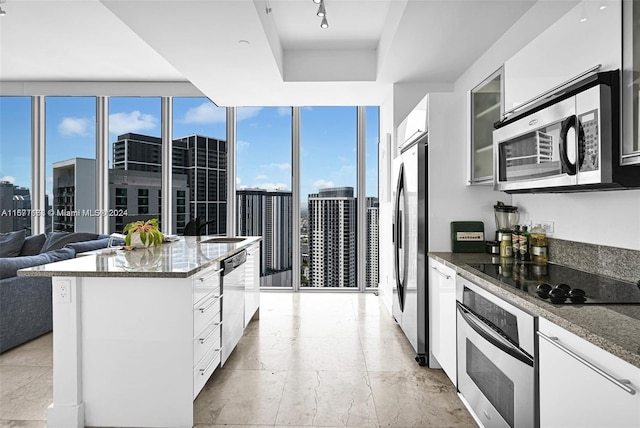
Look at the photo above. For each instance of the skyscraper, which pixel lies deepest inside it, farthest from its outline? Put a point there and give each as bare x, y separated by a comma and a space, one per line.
202, 159
268, 214
332, 238
372, 242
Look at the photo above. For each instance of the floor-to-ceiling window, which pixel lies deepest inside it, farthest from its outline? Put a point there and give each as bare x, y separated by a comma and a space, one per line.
263, 188
328, 189
328, 162
70, 135
15, 164
199, 164
135, 160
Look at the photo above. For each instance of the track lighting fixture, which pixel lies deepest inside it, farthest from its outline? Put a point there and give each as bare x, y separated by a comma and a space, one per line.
2, 11
322, 13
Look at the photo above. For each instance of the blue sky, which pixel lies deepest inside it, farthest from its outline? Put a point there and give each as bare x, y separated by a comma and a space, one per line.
328, 135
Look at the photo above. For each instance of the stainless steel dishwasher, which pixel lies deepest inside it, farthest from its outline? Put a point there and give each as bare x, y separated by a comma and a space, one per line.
232, 302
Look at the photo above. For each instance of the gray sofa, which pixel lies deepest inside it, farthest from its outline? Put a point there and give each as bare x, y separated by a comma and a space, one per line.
25, 302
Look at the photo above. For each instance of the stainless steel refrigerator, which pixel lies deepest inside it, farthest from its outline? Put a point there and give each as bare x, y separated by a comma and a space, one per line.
410, 238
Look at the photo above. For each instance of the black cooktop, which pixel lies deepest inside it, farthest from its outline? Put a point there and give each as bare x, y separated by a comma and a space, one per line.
562, 285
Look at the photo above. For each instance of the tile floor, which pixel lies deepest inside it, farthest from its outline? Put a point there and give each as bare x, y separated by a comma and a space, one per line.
313, 359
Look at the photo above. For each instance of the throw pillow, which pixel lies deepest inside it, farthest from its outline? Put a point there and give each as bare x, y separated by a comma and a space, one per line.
11, 243
32, 244
9, 266
57, 240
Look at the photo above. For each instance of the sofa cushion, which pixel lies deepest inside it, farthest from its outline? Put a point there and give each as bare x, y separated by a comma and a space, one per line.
81, 247
11, 243
57, 240
33, 244
10, 265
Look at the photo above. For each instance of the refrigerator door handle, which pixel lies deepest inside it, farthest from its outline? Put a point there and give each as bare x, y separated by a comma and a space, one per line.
398, 237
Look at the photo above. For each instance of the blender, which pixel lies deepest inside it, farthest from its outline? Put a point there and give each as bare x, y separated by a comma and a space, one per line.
507, 217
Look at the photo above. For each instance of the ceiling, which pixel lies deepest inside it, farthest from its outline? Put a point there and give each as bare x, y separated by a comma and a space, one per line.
253, 52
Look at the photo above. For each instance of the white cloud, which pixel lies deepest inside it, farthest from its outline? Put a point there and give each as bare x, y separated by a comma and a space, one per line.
242, 147
247, 113
273, 186
321, 184
121, 123
238, 181
282, 166
262, 177
206, 112
343, 159
72, 126
50, 179
8, 178
284, 111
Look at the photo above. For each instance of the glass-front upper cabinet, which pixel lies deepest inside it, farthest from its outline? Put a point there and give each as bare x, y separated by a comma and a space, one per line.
630, 153
487, 107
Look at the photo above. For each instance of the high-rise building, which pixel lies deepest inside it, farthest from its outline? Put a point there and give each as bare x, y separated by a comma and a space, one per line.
372, 242
15, 206
203, 160
332, 238
268, 214
74, 195
139, 194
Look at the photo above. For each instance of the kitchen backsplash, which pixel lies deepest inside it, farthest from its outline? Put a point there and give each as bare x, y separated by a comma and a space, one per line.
610, 261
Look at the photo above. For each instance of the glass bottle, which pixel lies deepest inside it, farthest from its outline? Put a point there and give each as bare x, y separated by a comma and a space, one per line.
524, 244
538, 238
515, 241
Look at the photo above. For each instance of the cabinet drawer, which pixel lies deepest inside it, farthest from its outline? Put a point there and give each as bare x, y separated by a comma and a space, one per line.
205, 311
204, 369
208, 339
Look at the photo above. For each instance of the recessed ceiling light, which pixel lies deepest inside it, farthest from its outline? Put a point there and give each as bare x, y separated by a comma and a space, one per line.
244, 42
603, 7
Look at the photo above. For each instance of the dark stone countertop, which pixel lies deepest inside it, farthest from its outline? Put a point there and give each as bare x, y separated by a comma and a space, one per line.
614, 328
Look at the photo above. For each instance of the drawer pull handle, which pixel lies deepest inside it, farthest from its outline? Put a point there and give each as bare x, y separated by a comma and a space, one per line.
204, 370
213, 330
212, 301
204, 278
441, 274
620, 383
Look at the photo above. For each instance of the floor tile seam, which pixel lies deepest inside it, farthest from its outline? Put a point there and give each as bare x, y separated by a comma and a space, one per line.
284, 384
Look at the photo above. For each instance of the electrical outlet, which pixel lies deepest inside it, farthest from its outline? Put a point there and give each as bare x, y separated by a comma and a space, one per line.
547, 226
63, 291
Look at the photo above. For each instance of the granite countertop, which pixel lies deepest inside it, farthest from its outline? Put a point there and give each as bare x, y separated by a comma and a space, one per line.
614, 328
178, 259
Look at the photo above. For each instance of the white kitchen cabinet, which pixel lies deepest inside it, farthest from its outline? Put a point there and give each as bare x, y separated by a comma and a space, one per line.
442, 316
487, 106
207, 331
252, 283
582, 385
570, 46
630, 83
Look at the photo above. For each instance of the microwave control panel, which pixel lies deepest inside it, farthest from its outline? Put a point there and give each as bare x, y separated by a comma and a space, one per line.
589, 122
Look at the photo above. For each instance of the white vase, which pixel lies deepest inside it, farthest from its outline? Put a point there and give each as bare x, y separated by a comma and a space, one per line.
136, 242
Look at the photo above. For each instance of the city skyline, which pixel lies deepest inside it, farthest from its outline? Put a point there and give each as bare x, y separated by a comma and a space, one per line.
328, 144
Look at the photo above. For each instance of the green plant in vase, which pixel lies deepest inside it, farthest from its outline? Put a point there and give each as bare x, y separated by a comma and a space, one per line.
143, 233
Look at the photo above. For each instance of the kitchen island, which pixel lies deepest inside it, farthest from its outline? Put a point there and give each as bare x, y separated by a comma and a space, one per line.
136, 334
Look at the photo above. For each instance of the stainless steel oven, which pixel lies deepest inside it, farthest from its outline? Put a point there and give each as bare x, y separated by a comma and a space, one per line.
495, 358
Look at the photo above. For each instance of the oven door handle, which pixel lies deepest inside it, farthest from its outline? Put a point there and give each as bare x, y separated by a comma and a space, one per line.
492, 337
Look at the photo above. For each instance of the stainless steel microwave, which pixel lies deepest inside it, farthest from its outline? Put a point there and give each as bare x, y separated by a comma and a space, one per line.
569, 141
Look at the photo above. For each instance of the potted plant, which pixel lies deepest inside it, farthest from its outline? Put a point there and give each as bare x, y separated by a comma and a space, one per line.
143, 233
